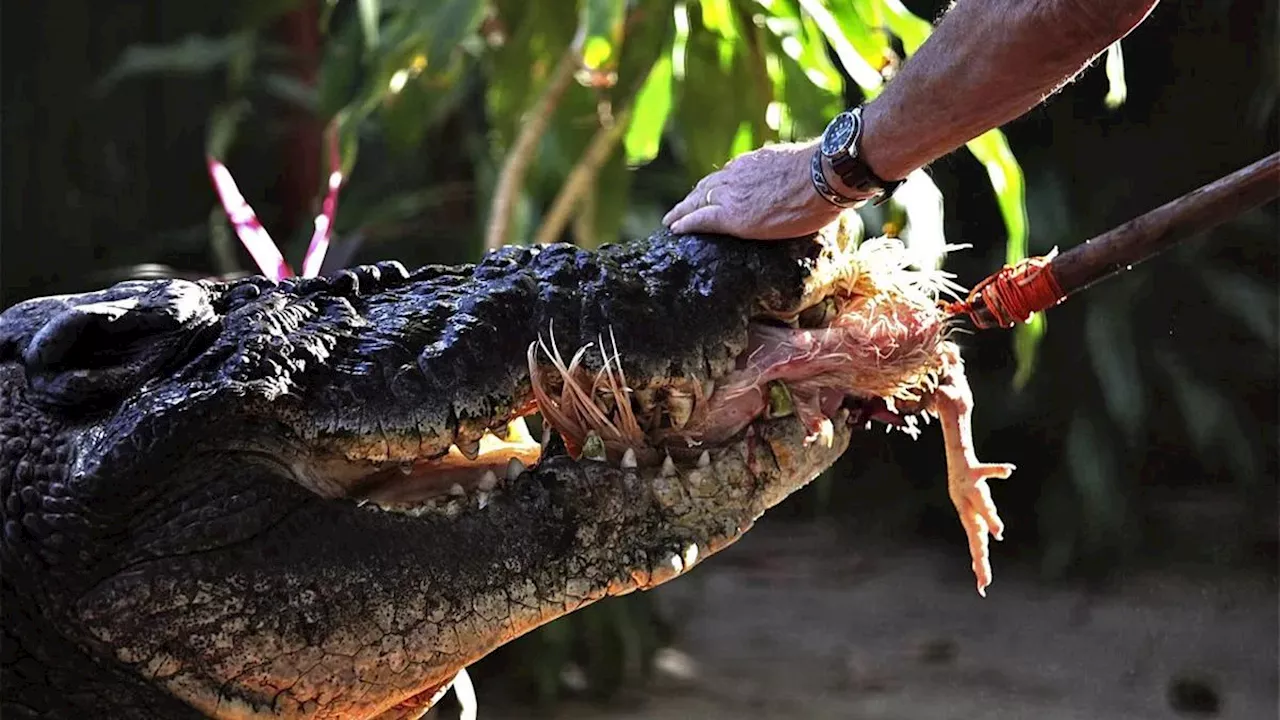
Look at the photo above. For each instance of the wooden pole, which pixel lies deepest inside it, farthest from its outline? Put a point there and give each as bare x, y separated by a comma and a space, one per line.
1146, 236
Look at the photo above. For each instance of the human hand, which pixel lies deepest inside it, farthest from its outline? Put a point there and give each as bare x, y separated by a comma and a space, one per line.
766, 194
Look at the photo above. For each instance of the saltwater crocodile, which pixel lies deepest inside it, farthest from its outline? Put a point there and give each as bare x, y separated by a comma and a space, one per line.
317, 498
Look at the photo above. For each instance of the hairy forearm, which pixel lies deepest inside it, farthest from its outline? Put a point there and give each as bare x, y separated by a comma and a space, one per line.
988, 62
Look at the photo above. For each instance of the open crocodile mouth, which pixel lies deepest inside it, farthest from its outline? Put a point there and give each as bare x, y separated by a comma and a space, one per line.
868, 344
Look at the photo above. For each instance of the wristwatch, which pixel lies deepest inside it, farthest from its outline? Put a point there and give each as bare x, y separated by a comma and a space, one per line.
841, 147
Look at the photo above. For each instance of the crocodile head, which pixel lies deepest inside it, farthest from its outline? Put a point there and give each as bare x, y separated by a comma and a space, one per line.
319, 498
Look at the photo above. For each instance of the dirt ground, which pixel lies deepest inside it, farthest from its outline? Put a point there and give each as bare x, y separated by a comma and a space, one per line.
816, 632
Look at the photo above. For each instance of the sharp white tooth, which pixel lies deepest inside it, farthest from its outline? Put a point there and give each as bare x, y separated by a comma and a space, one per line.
891, 405
457, 490
629, 459
515, 468
690, 555
826, 433
867, 426
927, 418
362, 502
488, 481
668, 467
470, 449
482, 499
708, 388
406, 468
704, 460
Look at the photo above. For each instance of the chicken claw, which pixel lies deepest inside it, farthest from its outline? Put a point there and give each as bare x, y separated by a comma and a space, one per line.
967, 478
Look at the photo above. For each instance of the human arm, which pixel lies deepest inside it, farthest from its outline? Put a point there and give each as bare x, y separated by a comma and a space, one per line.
987, 62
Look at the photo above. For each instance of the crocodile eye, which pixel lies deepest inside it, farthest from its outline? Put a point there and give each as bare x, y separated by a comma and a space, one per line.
99, 346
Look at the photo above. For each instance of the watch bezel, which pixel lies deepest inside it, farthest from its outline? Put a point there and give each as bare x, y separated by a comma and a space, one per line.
841, 134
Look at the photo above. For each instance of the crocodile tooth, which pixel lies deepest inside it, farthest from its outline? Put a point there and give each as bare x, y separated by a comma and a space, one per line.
826, 433
679, 408
708, 388
668, 467
690, 555
362, 502
927, 417
469, 449
704, 460
515, 468
629, 459
482, 499
457, 490
406, 468
489, 480
867, 426
593, 447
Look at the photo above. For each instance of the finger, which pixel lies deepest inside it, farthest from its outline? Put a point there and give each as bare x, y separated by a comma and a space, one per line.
696, 198
707, 219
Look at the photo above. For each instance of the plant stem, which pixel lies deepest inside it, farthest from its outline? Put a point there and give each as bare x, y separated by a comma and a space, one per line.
580, 178
517, 163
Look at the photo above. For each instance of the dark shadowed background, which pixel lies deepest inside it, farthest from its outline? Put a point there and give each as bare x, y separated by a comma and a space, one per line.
1145, 437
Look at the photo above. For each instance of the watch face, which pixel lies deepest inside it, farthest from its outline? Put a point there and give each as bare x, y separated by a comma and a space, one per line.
838, 134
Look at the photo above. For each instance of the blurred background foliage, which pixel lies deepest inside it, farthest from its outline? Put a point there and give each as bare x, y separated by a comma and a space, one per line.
464, 124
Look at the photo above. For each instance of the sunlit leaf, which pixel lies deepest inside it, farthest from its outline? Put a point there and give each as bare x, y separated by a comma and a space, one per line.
992, 150
862, 25
370, 15
863, 72
909, 27
1117, 89
602, 20
924, 234
649, 119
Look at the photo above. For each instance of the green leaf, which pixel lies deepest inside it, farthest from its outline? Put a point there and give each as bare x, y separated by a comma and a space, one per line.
649, 119
1113, 354
1117, 89
603, 22
910, 28
1210, 419
1247, 300
992, 150
370, 17
1093, 462
224, 123
192, 55
714, 102
864, 70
